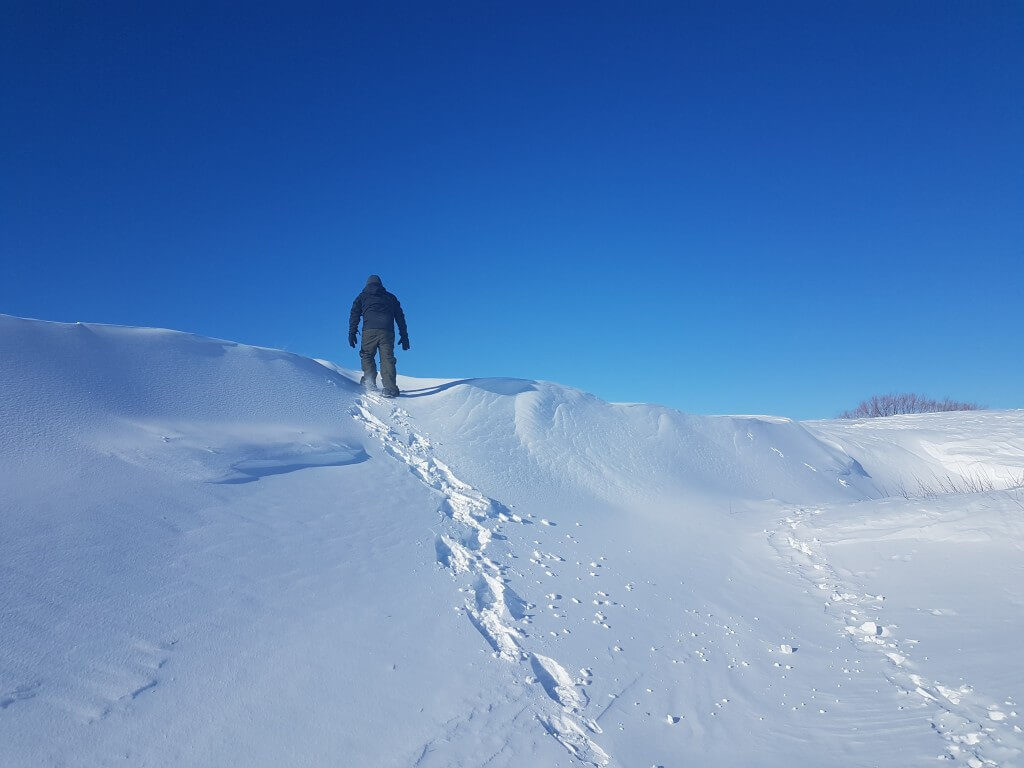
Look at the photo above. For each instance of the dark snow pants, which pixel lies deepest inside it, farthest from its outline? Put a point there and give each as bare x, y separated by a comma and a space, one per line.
379, 339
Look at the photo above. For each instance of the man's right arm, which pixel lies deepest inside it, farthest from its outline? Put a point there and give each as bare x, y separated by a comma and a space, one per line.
353, 321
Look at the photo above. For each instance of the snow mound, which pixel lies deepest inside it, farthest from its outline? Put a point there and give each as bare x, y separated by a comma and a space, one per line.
93, 381
218, 554
552, 433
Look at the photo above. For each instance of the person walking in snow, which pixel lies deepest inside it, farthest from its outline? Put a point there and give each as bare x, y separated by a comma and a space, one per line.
380, 311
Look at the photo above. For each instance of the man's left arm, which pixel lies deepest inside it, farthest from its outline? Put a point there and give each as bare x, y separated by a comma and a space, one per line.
403, 331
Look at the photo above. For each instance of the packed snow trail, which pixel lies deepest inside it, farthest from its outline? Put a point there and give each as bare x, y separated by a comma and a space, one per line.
473, 524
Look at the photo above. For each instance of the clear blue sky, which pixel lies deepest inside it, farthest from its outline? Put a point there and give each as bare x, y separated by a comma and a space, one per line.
723, 207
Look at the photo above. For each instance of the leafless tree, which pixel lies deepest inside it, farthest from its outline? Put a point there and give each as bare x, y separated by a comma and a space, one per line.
894, 403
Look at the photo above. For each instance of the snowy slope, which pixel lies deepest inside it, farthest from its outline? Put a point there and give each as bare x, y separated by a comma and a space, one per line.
216, 555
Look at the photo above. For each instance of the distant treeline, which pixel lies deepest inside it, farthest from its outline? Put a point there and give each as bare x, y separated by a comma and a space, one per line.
904, 402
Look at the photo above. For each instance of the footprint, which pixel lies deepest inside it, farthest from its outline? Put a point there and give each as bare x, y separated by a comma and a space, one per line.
21, 693
557, 683
452, 555
575, 740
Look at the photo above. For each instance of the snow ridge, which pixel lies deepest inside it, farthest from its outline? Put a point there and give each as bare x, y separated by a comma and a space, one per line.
473, 523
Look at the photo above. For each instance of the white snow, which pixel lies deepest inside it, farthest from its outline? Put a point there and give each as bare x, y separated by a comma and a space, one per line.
220, 555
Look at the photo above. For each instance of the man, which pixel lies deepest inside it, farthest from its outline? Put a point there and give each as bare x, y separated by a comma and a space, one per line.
380, 311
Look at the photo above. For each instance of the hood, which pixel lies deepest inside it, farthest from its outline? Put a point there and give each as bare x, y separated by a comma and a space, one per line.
373, 284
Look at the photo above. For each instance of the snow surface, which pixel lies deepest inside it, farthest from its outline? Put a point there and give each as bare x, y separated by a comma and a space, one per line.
214, 554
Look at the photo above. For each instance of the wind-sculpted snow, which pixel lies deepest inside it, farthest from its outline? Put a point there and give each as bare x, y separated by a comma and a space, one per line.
932, 454
216, 554
560, 435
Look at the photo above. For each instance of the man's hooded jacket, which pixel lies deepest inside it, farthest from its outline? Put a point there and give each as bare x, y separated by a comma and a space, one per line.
378, 308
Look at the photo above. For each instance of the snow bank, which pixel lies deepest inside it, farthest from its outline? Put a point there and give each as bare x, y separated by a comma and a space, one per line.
934, 453
216, 554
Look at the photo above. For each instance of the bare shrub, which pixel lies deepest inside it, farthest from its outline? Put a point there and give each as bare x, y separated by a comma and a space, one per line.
933, 486
1017, 497
1016, 491
894, 404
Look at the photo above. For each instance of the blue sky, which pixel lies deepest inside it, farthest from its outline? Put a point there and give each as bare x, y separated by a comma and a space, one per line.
723, 207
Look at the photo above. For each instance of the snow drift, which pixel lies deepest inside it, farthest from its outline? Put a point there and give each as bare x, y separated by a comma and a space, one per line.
217, 554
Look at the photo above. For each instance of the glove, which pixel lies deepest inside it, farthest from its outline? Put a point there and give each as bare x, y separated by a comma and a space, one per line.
404, 343
352, 340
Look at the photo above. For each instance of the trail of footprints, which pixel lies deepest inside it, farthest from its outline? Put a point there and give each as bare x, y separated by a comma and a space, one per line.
977, 732
473, 524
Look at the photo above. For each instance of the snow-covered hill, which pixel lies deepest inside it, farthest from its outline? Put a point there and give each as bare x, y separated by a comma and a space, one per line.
220, 555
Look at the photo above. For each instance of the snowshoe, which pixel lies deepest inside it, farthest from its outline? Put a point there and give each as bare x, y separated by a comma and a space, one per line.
389, 393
